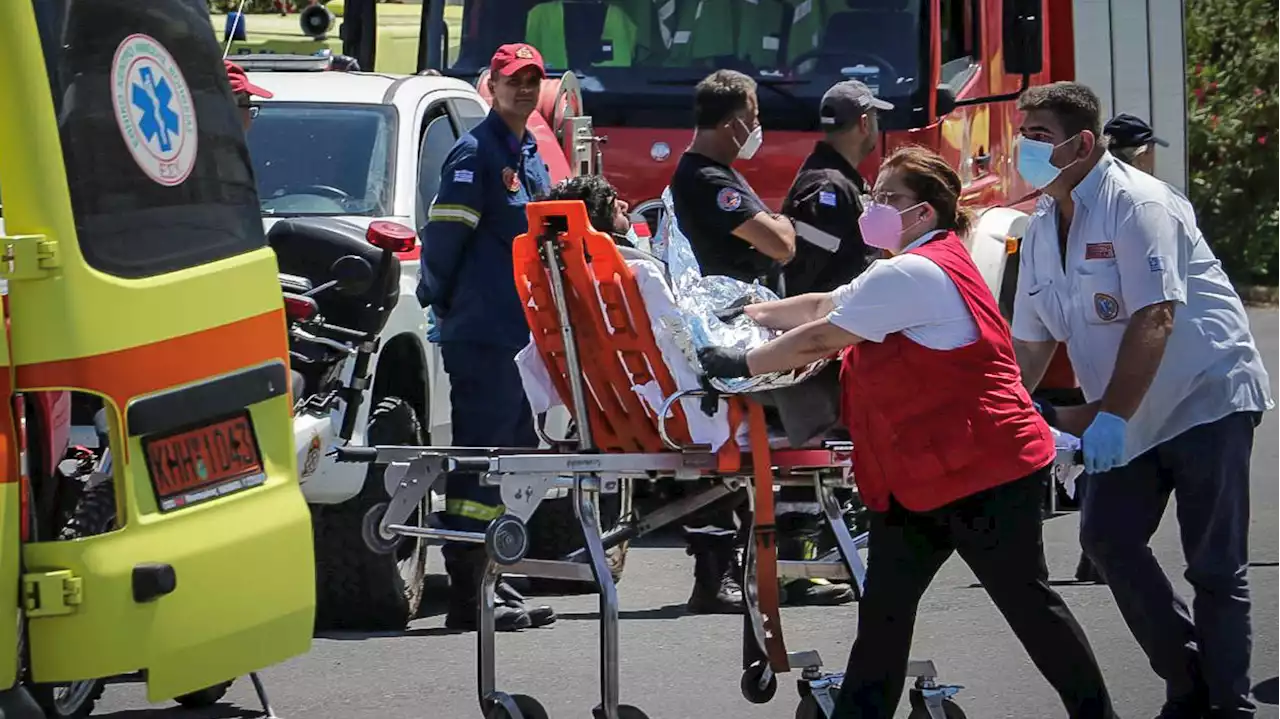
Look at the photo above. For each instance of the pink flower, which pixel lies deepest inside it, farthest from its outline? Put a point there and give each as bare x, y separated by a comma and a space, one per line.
1257, 92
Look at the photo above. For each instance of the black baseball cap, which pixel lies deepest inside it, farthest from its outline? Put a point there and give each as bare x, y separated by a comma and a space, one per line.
848, 100
1127, 130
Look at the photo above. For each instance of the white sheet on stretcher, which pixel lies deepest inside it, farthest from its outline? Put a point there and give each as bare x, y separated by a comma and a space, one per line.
664, 314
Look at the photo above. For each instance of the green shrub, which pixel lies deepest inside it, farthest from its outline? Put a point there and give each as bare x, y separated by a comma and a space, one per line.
1232, 139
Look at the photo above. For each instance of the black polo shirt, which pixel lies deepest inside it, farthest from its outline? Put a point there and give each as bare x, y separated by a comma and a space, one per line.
711, 200
827, 195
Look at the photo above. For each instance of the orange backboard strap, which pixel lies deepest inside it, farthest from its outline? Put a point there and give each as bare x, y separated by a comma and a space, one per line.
765, 536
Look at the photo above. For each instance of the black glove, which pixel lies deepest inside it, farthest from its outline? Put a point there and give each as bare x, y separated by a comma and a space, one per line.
723, 362
727, 314
1048, 411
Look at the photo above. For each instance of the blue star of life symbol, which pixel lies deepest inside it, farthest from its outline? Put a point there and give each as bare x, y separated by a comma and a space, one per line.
158, 121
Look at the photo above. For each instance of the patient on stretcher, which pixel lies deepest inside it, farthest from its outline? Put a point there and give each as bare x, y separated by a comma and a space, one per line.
680, 325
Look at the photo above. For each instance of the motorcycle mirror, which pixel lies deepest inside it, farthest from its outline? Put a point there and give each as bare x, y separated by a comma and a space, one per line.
353, 275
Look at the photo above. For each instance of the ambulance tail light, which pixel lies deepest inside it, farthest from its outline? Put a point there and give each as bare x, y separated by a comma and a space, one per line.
299, 309
391, 236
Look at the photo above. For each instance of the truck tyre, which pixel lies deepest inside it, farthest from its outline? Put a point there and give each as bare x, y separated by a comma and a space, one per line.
356, 589
93, 513
554, 531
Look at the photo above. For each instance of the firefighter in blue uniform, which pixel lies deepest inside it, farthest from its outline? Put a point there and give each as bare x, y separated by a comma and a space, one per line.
467, 279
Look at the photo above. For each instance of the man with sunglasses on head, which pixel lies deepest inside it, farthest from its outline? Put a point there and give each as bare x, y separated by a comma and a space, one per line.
1114, 265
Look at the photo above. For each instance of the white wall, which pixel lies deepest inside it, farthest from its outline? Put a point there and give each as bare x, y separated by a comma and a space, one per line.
1132, 53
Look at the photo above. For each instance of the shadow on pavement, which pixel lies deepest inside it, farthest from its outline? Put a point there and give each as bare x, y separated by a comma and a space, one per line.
362, 636
1266, 691
670, 611
217, 711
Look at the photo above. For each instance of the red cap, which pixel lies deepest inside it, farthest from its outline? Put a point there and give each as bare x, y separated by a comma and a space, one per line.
240, 81
510, 59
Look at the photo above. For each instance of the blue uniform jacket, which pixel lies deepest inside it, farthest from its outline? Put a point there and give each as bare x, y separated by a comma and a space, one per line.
466, 275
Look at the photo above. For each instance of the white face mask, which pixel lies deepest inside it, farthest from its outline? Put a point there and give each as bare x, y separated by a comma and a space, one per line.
755, 138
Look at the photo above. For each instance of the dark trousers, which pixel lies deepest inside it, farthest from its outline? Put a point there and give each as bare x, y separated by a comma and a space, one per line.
1207, 468
489, 409
998, 534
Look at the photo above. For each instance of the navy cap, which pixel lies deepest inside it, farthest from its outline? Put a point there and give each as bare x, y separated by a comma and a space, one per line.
847, 101
1127, 130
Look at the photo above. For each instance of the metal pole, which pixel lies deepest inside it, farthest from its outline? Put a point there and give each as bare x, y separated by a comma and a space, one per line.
552, 258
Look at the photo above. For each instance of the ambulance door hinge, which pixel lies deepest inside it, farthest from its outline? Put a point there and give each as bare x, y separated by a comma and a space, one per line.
29, 257
51, 594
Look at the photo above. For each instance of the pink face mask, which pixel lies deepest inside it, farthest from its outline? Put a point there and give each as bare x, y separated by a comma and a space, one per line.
881, 226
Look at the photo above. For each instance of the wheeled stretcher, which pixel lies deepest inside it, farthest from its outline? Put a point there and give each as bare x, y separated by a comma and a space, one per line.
591, 328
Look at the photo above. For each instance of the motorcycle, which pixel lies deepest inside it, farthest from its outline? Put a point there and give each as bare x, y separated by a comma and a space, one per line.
340, 285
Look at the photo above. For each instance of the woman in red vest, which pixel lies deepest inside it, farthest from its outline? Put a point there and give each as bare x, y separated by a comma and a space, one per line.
949, 452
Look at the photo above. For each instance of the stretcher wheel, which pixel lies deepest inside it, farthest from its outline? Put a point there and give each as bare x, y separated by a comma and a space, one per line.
528, 706
372, 536
625, 711
752, 689
950, 709
507, 540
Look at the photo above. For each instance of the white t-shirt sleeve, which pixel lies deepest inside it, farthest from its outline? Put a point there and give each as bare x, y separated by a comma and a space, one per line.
908, 294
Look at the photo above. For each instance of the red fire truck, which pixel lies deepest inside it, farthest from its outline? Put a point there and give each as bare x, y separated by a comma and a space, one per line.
952, 69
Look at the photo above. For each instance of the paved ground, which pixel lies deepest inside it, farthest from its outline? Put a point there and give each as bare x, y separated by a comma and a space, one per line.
679, 667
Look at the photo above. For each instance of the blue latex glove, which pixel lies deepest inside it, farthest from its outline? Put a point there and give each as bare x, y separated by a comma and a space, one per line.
1104, 443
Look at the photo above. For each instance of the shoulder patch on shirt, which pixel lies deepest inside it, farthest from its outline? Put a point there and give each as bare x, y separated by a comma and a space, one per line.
1155, 263
463, 176
510, 180
1106, 306
1099, 251
728, 199
827, 198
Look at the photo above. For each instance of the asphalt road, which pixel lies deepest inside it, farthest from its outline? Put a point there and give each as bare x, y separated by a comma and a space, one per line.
678, 667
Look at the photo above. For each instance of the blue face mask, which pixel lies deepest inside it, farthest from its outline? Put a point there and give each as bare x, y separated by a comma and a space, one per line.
1035, 163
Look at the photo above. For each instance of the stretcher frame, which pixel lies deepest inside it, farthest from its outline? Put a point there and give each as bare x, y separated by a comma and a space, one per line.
620, 441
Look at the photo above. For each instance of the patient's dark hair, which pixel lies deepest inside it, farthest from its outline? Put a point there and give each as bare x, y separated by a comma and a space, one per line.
595, 192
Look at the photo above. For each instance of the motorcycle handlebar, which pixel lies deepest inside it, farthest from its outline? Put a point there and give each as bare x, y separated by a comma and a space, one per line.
365, 455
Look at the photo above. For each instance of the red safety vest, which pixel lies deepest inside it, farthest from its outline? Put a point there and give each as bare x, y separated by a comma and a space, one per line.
932, 426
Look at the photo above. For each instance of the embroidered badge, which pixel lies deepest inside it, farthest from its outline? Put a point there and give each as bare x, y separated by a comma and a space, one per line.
463, 176
827, 198
509, 180
1099, 251
524, 53
729, 199
1155, 264
1106, 306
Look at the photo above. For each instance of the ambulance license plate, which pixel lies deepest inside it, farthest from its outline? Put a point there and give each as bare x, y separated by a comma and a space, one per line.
204, 463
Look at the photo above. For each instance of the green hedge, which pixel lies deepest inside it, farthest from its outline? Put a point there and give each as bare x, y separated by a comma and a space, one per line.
1232, 138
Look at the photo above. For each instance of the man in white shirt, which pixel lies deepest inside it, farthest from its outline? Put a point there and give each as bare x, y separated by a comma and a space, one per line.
1114, 265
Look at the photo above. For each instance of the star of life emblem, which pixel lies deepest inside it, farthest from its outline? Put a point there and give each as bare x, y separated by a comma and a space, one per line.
154, 109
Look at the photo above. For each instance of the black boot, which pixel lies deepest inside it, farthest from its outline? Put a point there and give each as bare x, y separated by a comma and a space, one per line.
799, 541
465, 564
716, 588
1087, 572
540, 616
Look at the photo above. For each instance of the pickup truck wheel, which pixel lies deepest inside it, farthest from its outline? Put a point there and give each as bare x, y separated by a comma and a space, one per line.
554, 531
356, 589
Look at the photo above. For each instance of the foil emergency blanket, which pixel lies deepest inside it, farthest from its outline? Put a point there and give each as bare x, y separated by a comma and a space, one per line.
699, 297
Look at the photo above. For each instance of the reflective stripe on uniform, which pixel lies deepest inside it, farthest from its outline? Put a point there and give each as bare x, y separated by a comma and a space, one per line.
454, 213
472, 509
